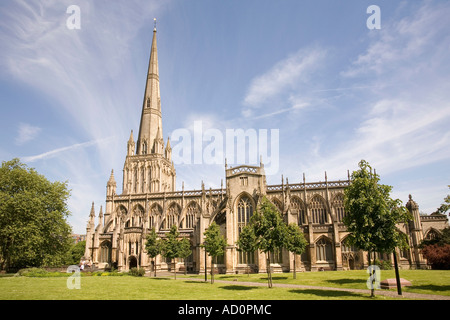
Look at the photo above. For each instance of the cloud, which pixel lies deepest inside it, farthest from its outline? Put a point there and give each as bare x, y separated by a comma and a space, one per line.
26, 133
55, 152
89, 75
283, 78
404, 125
402, 40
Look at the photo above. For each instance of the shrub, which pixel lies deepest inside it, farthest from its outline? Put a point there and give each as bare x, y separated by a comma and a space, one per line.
384, 264
438, 256
136, 272
39, 272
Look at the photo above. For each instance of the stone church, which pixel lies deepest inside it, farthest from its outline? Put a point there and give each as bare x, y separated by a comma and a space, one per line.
149, 200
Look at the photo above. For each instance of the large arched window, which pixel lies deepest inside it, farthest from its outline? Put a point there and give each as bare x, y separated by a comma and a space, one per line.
172, 216
245, 211
318, 211
324, 250
191, 213
155, 211
338, 205
297, 208
105, 252
278, 204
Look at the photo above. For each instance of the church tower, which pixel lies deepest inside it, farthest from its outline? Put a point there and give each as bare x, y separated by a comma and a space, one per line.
148, 167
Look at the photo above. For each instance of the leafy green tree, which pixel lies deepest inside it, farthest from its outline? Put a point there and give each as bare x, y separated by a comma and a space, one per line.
445, 206
270, 231
76, 252
372, 215
214, 244
247, 241
170, 246
153, 247
296, 242
185, 251
33, 213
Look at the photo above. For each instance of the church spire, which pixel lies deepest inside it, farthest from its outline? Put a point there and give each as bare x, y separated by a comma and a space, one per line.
151, 120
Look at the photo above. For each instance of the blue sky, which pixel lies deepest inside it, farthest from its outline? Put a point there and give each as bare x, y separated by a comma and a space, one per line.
336, 91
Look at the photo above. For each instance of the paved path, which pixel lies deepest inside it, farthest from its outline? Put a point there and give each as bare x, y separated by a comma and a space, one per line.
393, 294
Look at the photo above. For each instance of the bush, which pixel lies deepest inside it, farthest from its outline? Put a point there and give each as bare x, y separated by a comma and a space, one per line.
39, 272
136, 272
438, 256
384, 264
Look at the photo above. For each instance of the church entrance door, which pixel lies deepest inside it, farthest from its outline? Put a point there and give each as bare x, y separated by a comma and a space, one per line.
132, 262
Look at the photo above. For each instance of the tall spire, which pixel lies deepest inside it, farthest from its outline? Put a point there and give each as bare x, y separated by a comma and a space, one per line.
151, 118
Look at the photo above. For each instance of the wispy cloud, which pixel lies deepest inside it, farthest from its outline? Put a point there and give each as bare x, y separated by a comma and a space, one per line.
89, 75
405, 125
26, 133
285, 77
55, 152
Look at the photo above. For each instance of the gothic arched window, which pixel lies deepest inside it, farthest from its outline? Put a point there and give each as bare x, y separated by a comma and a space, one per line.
191, 213
318, 211
338, 204
105, 252
172, 216
155, 211
245, 211
324, 250
297, 208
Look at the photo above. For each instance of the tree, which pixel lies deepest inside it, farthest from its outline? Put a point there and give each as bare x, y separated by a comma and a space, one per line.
170, 246
247, 241
445, 206
33, 213
438, 256
185, 251
153, 247
371, 215
214, 244
270, 231
437, 250
296, 242
76, 252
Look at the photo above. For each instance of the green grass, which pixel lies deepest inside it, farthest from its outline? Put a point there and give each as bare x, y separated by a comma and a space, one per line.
136, 288
423, 281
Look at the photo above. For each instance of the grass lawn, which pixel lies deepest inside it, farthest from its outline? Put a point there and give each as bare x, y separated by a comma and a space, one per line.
136, 288
423, 281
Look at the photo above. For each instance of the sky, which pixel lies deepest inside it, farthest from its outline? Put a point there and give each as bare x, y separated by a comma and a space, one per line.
329, 89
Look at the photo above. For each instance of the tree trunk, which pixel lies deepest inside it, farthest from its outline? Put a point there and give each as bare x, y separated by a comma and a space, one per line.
397, 275
295, 274
212, 269
175, 269
372, 289
154, 266
269, 273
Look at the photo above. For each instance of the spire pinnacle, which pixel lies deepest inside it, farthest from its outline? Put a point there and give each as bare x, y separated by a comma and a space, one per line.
151, 118
154, 21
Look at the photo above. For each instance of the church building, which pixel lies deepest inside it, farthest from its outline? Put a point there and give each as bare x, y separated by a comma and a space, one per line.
149, 199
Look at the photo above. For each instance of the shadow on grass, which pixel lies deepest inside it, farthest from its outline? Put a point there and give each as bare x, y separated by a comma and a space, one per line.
194, 281
276, 278
346, 281
160, 278
236, 287
431, 287
329, 293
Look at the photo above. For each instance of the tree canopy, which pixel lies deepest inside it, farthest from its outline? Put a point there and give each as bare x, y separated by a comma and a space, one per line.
153, 247
371, 214
214, 244
268, 232
33, 213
